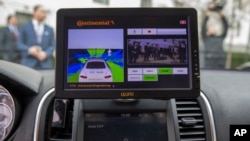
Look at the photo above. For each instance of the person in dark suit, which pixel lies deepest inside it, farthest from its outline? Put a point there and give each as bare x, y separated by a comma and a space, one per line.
182, 51
147, 52
8, 41
37, 41
156, 52
135, 51
130, 51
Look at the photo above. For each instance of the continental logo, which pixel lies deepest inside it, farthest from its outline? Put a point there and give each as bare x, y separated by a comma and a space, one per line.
81, 23
127, 94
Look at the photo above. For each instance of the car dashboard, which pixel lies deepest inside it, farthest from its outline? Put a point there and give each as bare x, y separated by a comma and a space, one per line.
35, 114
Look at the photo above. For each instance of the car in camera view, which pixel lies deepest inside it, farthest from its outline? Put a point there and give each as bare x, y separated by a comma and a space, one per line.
96, 70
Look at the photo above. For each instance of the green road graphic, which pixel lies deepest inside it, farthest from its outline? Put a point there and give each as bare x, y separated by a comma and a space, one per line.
74, 77
117, 72
96, 52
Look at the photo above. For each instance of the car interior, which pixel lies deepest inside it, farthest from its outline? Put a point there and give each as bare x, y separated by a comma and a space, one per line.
142, 92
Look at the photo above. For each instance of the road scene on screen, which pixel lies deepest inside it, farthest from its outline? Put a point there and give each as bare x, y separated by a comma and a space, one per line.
95, 55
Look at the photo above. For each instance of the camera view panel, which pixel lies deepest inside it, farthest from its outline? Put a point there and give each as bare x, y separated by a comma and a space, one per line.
157, 51
95, 55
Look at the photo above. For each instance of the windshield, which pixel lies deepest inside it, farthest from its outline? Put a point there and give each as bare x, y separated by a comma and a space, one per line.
27, 30
95, 65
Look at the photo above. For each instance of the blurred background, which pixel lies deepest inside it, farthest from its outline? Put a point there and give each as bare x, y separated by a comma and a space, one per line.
236, 45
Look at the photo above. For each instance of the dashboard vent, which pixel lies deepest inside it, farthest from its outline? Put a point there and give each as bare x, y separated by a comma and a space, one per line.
59, 131
190, 120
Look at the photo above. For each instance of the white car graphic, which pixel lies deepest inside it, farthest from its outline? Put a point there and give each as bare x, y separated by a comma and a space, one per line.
96, 70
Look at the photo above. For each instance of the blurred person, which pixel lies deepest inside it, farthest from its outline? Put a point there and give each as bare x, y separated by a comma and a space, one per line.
8, 40
182, 51
175, 53
134, 52
151, 50
165, 53
171, 51
147, 52
37, 41
130, 51
109, 53
214, 31
143, 52
156, 52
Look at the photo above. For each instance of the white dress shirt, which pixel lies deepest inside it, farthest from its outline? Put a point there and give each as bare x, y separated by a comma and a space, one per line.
39, 29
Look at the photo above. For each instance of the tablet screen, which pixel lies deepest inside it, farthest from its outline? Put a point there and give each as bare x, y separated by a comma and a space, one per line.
128, 55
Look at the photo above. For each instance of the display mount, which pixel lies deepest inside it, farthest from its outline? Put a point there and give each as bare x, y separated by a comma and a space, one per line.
127, 53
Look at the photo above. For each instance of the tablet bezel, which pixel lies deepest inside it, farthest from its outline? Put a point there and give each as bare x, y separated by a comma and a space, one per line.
60, 91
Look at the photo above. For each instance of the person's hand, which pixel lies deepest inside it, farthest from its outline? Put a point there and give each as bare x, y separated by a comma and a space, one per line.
33, 51
210, 31
42, 56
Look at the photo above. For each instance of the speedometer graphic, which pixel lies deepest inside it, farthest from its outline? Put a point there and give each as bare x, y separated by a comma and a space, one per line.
7, 113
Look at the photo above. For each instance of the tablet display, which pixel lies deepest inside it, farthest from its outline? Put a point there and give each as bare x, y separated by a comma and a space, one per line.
127, 53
